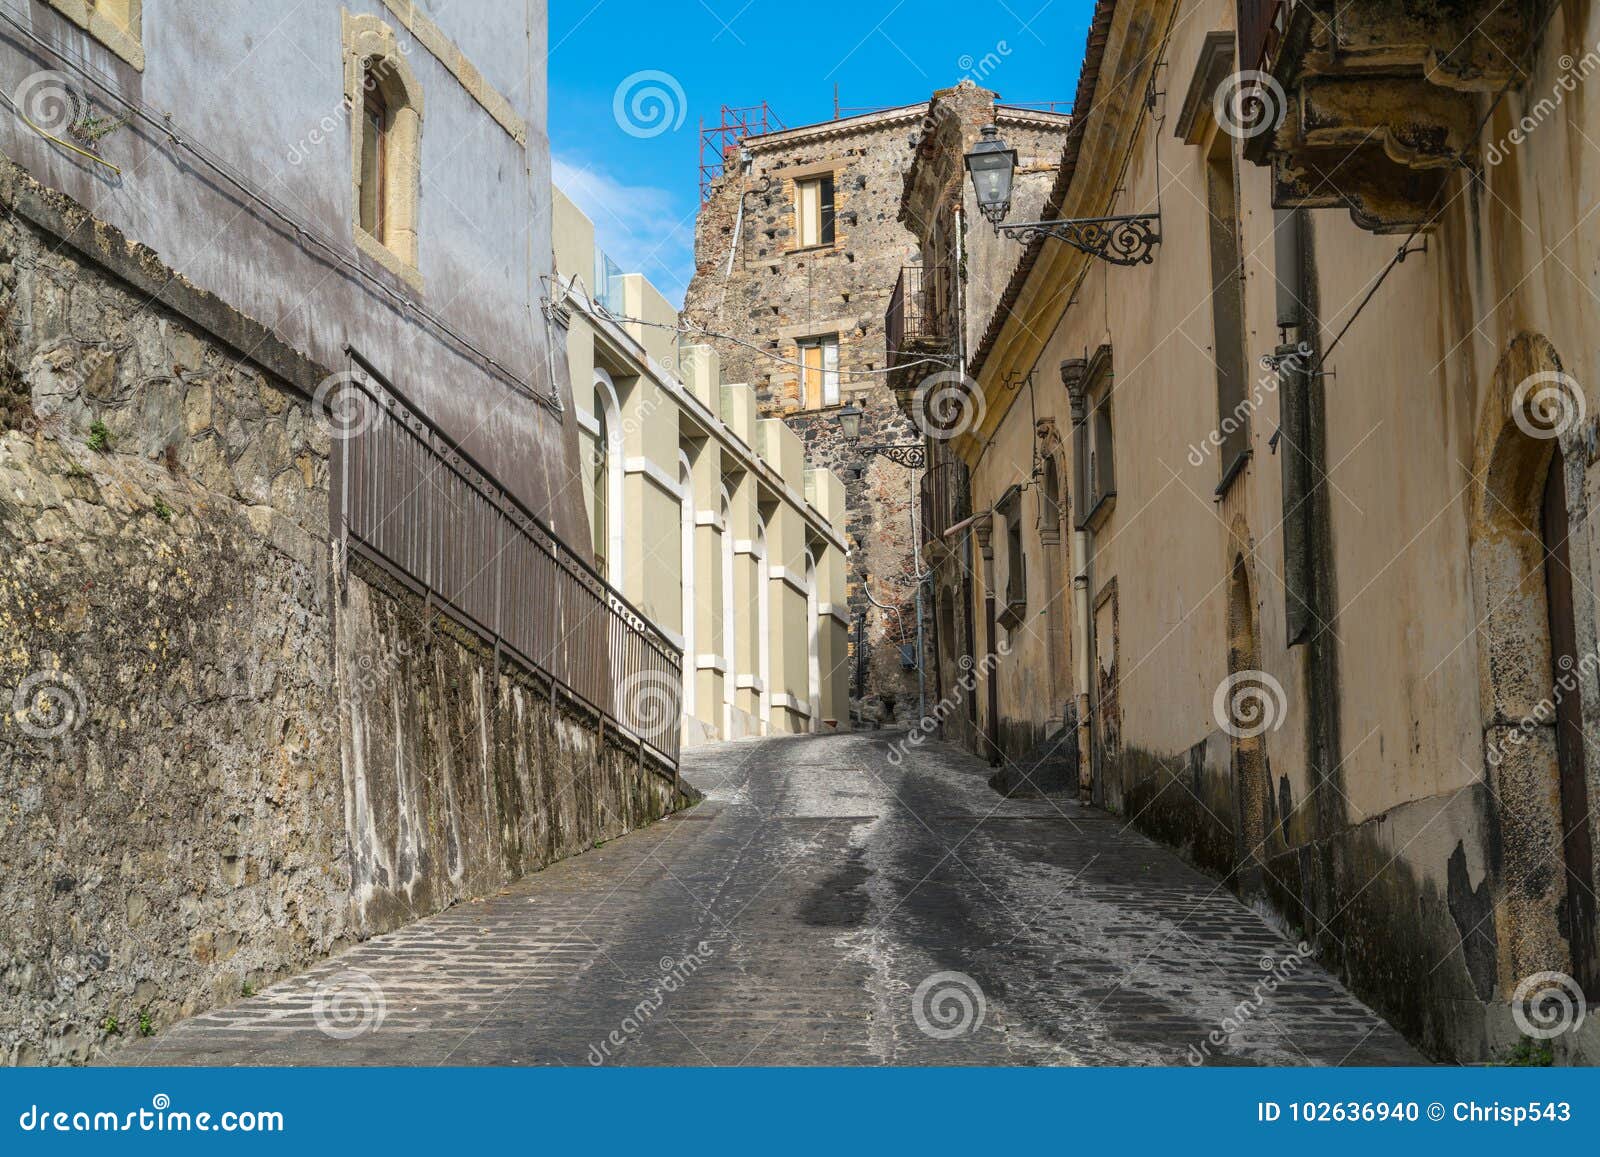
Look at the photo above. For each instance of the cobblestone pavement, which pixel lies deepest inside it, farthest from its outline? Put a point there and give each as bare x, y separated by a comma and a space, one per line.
793, 917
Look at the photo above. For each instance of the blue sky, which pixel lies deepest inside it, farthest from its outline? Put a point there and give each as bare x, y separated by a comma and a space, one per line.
641, 186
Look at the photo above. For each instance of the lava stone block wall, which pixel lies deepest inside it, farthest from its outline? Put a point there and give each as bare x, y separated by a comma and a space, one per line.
775, 294
220, 759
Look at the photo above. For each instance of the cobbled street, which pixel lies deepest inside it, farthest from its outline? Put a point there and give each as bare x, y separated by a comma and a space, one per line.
824, 905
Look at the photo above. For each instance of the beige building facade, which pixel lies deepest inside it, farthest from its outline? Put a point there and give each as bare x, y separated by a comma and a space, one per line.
702, 512
1281, 535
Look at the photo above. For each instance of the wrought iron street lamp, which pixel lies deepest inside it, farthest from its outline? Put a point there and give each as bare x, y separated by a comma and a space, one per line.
1126, 240
908, 454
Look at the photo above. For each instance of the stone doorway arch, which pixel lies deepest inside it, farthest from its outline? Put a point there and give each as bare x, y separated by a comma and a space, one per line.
1536, 664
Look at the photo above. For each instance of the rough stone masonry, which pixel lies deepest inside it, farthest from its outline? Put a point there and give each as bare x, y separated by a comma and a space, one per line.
763, 294
221, 756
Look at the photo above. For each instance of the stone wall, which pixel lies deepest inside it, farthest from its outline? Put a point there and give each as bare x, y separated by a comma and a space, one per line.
186, 814
774, 295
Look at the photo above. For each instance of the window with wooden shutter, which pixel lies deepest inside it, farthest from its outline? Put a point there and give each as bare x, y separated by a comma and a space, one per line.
819, 372
813, 208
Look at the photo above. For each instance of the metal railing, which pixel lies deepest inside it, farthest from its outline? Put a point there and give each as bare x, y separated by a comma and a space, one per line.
917, 309
1260, 27
946, 497
416, 504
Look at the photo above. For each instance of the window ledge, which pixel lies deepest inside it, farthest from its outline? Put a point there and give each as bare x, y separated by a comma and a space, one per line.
1235, 468
1099, 512
388, 258
826, 247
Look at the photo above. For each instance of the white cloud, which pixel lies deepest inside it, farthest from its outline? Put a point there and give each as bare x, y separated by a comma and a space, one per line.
642, 228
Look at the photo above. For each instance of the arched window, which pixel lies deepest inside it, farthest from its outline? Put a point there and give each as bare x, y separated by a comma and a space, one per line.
385, 104
605, 480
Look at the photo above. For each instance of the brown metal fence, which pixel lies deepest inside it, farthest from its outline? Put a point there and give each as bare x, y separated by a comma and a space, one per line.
415, 503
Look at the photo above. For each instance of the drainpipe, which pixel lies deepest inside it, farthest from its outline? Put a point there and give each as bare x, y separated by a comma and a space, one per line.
1072, 372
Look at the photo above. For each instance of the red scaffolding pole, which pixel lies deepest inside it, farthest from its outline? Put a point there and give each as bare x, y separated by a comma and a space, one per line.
719, 143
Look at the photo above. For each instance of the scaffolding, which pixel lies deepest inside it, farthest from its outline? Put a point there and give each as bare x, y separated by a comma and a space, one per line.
719, 143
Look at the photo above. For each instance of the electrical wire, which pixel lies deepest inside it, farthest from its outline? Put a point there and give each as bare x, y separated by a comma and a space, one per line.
334, 253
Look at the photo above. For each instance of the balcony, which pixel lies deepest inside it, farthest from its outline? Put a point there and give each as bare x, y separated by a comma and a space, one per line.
1370, 105
917, 323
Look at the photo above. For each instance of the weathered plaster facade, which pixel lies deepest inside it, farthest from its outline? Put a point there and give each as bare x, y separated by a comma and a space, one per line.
714, 524
1365, 533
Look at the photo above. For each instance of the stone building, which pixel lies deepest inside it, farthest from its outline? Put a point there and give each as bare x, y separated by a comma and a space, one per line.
704, 514
304, 638
1297, 510
797, 252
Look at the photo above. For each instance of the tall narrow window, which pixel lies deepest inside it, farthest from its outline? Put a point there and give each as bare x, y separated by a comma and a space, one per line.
375, 125
601, 483
813, 207
819, 372
384, 103
1227, 309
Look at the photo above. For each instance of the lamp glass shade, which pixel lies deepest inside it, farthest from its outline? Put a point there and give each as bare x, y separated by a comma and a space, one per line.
850, 422
993, 168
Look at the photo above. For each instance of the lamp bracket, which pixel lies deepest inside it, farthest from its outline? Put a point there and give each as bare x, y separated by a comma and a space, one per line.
909, 455
1126, 240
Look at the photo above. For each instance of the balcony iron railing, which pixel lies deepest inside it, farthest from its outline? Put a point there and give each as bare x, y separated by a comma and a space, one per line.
946, 498
415, 503
918, 311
